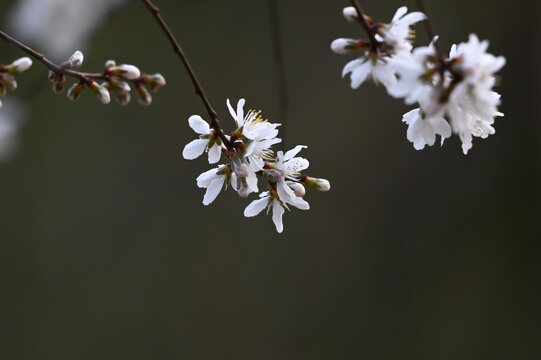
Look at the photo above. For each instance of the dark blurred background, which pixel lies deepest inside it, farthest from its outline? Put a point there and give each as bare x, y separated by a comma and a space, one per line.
106, 251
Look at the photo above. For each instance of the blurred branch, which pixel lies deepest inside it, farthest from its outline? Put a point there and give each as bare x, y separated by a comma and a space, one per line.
370, 30
430, 30
276, 38
198, 88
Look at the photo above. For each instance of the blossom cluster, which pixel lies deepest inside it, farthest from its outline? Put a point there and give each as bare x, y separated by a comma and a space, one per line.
454, 94
8, 72
248, 155
116, 80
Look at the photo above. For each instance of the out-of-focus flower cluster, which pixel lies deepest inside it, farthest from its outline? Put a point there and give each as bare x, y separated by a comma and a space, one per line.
454, 93
116, 80
247, 156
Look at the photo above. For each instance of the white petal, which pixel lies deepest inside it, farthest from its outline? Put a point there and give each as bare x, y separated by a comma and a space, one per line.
240, 110
194, 149
284, 192
256, 207
300, 203
205, 178
291, 153
251, 180
232, 111
359, 75
199, 125
399, 13
277, 212
250, 149
215, 153
214, 189
350, 66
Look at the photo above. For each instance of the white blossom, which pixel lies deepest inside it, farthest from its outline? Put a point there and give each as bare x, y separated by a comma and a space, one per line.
398, 34
422, 130
207, 141
473, 104
372, 66
59, 25
213, 180
413, 72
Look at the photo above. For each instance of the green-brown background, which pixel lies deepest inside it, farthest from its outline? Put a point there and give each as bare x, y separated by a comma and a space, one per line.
106, 251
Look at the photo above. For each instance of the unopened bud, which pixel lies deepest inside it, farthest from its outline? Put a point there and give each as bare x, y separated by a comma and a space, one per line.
345, 46
8, 81
58, 86
143, 94
110, 63
20, 65
350, 13
129, 72
75, 91
272, 175
118, 86
241, 170
320, 184
76, 59
101, 92
244, 190
123, 98
297, 188
155, 81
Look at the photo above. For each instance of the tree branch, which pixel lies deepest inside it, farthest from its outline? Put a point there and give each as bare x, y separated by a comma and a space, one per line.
214, 122
369, 29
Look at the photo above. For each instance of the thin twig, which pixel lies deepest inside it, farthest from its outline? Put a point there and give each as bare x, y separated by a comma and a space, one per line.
214, 122
430, 30
369, 29
276, 38
59, 69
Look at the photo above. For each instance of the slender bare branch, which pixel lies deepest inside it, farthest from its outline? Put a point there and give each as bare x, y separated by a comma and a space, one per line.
430, 30
276, 38
214, 122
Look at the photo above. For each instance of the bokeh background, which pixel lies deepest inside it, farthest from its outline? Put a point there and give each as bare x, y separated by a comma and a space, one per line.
106, 251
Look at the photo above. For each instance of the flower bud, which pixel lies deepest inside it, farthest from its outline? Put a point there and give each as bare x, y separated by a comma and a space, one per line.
244, 190
344, 46
76, 60
8, 82
129, 72
272, 175
319, 184
20, 65
118, 86
110, 63
101, 92
58, 86
350, 13
123, 98
75, 91
143, 94
155, 81
297, 188
242, 170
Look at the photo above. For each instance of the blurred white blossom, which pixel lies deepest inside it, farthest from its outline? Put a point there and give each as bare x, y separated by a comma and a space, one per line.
59, 26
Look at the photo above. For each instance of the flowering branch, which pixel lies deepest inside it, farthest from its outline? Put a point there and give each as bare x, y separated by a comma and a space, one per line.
215, 123
247, 152
115, 77
454, 93
367, 23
